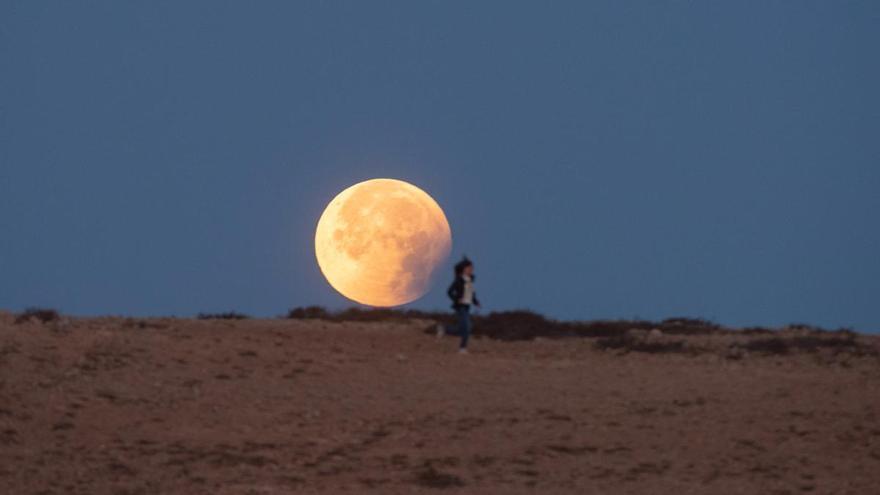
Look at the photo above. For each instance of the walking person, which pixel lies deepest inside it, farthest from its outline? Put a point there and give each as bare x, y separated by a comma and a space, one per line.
463, 297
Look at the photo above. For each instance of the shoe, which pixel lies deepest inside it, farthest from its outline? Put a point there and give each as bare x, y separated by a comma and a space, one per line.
441, 330
462, 351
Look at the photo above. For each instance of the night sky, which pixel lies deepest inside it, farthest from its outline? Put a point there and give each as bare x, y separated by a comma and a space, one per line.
595, 159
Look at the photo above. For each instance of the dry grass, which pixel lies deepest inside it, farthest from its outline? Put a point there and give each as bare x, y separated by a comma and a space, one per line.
116, 405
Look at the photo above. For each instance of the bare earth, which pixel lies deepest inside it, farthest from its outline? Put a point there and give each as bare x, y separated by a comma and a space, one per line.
174, 406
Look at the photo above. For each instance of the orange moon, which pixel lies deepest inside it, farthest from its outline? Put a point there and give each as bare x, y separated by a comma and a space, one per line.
379, 241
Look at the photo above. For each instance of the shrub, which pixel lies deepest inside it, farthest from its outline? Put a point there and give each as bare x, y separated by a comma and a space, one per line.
614, 334
610, 328
755, 331
308, 312
773, 345
229, 315
835, 341
803, 328
688, 326
516, 325
44, 315
368, 314
364, 314
628, 343
426, 315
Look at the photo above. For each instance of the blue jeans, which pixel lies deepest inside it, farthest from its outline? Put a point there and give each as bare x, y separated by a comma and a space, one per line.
462, 326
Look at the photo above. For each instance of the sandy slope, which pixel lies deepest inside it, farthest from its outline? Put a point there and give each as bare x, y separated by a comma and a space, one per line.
104, 406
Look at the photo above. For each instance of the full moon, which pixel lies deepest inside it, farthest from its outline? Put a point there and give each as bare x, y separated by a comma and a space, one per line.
379, 241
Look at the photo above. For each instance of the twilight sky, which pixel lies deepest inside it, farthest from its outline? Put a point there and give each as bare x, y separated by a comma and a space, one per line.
596, 159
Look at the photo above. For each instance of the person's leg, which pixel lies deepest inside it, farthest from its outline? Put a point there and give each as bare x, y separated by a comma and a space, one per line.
464, 325
453, 328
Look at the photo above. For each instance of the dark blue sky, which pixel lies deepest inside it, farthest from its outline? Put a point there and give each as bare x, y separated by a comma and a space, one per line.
596, 159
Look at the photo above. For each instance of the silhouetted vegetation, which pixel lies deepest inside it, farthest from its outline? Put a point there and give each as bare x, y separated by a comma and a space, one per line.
43, 315
381, 314
623, 335
755, 331
526, 325
308, 312
837, 342
802, 327
629, 343
688, 326
520, 325
229, 315
364, 314
774, 345
610, 328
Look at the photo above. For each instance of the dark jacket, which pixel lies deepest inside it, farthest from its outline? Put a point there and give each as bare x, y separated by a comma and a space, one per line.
456, 290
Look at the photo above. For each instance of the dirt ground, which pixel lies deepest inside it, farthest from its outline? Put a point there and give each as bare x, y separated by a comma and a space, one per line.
176, 406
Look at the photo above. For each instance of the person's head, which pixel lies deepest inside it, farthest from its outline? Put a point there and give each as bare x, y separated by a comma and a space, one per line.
464, 267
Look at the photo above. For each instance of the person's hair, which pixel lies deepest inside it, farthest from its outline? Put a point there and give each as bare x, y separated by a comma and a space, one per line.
461, 265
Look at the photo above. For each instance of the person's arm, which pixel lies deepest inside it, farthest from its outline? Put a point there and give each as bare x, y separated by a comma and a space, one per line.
454, 291
476, 301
